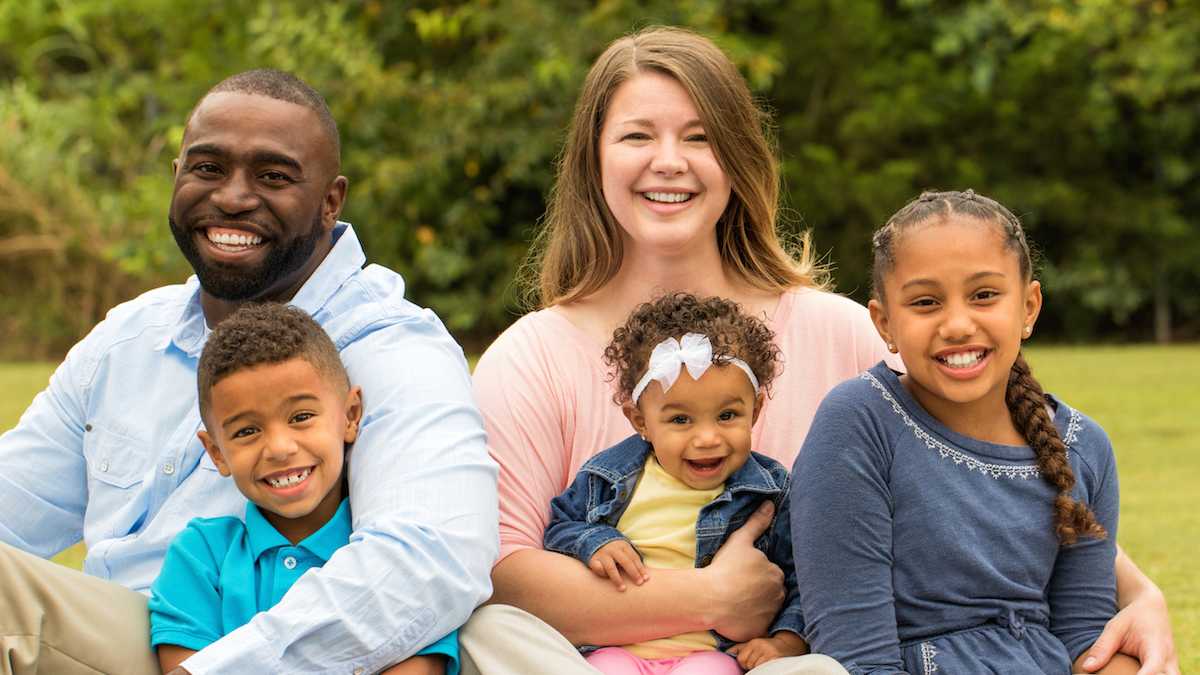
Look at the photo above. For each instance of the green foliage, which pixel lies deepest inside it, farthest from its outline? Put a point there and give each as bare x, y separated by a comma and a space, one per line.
1081, 116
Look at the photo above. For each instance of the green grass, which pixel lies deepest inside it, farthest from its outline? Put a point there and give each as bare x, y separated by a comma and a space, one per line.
1147, 398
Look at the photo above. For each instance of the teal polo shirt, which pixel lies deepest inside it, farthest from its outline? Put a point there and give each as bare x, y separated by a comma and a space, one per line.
219, 572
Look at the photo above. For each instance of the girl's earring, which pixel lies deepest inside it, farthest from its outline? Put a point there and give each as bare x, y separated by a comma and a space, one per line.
891, 346
1028, 330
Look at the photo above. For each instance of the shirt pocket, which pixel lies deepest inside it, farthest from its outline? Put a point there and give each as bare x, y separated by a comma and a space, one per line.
116, 468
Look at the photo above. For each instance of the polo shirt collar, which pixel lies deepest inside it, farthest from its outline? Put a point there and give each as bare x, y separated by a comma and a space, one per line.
333, 535
343, 261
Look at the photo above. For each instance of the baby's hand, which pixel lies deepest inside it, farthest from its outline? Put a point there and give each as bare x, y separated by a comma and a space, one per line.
617, 555
758, 651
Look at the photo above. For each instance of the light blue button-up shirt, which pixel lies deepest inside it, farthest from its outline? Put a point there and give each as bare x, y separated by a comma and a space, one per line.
109, 452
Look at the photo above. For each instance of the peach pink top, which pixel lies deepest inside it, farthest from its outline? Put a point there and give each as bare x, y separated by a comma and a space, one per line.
547, 400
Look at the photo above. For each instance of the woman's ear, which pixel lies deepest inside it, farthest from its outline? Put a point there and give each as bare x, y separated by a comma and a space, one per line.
354, 412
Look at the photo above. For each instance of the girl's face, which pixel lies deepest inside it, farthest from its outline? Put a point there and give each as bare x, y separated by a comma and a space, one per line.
659, 175
956, 307
700, 429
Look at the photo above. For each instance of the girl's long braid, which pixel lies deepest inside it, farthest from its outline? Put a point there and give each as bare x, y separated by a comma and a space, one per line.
1027, 406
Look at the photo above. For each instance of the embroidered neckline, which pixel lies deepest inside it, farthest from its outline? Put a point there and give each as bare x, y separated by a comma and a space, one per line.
959, 457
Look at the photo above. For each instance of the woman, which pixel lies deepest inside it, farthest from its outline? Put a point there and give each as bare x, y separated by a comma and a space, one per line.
667, 182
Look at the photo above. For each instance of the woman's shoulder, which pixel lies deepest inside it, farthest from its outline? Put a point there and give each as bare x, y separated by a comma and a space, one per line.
829, 313
538, 332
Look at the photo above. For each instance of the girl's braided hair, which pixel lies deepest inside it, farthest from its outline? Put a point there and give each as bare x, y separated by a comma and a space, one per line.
733, 334
1025, 399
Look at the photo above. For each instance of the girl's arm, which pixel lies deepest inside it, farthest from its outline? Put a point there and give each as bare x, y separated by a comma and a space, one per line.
1142, 628
841, 513
737, 595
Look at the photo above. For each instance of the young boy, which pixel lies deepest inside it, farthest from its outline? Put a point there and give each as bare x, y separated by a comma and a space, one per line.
279, 412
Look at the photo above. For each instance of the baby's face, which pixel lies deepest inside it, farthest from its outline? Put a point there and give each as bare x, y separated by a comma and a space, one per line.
700, 429
281, 430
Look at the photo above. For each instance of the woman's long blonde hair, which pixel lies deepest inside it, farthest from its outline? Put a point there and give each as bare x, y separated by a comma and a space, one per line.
579, 248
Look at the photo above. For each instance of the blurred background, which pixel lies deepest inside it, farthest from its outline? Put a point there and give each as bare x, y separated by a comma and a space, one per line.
1082, 116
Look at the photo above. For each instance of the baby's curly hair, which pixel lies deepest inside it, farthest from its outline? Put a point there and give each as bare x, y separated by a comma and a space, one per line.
732, 332
265, 333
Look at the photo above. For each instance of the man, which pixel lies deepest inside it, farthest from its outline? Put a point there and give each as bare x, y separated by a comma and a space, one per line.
109, 450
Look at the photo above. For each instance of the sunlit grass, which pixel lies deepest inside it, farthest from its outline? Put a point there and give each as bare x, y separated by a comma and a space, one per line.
1147, 398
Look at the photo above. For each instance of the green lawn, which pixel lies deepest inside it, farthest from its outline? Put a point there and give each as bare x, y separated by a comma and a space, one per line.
1146, 397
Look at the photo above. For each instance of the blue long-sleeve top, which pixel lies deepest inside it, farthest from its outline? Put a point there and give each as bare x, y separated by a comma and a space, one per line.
921, 550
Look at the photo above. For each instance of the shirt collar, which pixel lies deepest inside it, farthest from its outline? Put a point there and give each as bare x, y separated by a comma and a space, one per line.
344, 260
333, 535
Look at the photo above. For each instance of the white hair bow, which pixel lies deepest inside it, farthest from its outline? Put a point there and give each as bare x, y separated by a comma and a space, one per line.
693, 351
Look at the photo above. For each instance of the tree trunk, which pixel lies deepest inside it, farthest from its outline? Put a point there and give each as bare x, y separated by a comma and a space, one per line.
1162, 307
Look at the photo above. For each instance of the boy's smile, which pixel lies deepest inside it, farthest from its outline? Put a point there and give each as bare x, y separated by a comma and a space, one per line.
280, 430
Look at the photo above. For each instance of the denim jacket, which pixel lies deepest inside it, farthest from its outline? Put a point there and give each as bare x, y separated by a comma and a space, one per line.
585, 516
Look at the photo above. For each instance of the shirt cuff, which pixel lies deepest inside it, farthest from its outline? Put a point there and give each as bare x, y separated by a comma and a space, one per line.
242, 651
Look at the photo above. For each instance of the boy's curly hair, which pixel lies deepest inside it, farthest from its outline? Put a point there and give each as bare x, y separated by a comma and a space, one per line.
265, 333
733, 334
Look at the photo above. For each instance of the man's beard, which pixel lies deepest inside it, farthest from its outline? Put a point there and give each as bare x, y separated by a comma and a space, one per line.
243, 283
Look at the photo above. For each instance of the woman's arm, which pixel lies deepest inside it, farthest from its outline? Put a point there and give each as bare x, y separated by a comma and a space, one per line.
1142, 628
737, 595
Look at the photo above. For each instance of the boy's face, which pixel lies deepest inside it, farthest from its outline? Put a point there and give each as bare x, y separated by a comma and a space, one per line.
280, 430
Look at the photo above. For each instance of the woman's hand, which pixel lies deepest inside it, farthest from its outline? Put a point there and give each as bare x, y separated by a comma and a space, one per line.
1143, 630
747, 588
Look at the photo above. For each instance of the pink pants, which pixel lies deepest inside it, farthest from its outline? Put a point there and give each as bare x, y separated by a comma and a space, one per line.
617, 661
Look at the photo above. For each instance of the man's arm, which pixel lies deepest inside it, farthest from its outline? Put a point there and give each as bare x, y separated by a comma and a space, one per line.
737, 595
423, 494
43, 473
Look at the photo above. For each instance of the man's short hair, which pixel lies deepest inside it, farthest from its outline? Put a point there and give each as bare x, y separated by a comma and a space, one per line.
283, 86
265, 333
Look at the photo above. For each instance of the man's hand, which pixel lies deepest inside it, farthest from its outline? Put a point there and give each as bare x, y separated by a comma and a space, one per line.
617, 555
746, 588
1143, 630
758, 651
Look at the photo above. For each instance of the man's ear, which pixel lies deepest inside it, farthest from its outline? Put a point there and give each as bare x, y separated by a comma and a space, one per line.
879, 317
635, 417
214, 453
354, 412
335, 199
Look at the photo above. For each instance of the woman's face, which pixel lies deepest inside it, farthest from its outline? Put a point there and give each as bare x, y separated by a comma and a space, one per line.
660, 177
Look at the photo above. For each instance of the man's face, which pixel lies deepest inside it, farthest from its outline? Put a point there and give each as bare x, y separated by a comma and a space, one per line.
256, 196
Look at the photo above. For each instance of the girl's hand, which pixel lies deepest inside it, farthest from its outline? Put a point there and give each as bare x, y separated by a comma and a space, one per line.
758, 651
617, 555
1143, 630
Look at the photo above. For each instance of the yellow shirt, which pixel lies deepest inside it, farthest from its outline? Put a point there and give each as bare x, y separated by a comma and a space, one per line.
661, 522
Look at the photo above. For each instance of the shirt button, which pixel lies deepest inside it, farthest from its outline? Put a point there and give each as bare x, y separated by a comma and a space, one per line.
168, 468
706, 561
104, 466
358, 671
289, 562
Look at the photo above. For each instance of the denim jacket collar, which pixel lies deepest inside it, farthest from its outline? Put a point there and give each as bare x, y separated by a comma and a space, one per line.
625, 460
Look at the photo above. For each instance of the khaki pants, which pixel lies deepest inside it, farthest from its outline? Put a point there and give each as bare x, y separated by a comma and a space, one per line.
503, 640
56, 620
